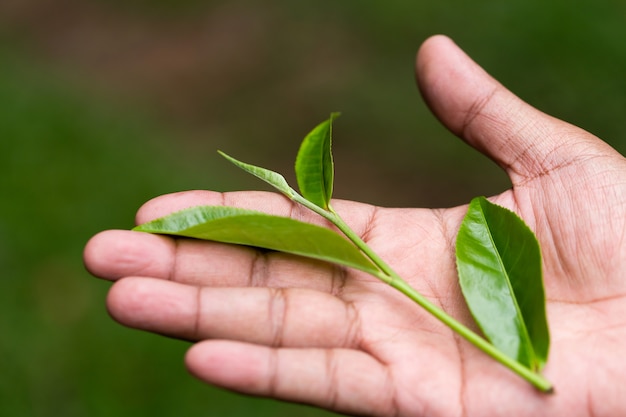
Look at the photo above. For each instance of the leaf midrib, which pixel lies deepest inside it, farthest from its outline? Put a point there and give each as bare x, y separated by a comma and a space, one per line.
528, 343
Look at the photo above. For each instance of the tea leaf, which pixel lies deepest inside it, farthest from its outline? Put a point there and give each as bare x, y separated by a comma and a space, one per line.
247, 227
498, 257
499, 265
314, 165
273, 178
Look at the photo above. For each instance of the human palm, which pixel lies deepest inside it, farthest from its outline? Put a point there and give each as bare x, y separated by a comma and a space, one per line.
272, 324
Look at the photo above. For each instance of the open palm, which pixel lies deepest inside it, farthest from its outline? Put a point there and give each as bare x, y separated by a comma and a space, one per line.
276, 325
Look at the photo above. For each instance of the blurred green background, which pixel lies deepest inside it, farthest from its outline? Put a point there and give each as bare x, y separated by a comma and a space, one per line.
105, 104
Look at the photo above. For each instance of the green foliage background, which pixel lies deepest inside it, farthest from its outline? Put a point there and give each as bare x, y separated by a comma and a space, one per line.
105, 104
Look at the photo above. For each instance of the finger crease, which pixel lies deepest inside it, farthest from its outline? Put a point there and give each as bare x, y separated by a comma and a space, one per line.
394, 408
389, 386
338, 281
223, 201
277, 314
197, 324
174, 268
332, 392
295, 211
272, 386
352, 337
258, 275
463, 376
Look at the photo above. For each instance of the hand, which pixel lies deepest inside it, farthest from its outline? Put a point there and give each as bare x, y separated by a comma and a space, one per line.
275, 325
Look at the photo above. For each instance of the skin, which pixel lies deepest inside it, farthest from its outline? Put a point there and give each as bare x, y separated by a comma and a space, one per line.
273, 325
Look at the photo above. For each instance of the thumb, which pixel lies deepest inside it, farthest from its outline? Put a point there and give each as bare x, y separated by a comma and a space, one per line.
522, 140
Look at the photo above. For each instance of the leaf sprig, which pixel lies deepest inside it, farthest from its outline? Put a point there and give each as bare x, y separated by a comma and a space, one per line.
498, 256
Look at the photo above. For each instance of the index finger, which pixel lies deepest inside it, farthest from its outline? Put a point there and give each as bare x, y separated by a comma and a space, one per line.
116, 254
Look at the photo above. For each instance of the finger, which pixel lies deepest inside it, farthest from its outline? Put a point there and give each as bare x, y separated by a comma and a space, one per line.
271, 203
369, 222
359, 216
273, 317
343, 380
524, 141
115, 254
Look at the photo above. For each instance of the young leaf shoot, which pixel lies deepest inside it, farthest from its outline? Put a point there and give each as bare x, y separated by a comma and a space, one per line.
498, 257
314, 165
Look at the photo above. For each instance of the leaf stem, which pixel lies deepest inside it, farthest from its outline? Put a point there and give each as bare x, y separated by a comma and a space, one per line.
534, 378
389, 276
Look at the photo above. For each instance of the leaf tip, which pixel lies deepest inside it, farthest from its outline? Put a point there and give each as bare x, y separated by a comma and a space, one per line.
225, 155
142, 228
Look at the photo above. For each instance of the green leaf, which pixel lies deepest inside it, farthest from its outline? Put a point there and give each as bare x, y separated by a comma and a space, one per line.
314, 165
273, 178
252, 228
499, 266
